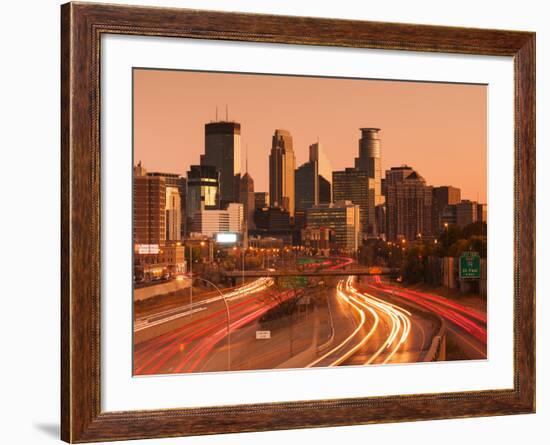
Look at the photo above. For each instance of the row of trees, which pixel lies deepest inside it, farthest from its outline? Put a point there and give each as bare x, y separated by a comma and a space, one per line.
411, 258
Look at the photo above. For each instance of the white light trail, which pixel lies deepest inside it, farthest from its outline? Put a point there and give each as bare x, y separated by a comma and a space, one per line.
366, 304
183, 311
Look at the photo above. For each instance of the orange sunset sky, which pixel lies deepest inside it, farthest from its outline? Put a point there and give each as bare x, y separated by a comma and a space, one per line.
438, 129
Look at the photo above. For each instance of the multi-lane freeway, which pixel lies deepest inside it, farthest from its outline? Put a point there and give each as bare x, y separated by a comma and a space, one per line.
333, 321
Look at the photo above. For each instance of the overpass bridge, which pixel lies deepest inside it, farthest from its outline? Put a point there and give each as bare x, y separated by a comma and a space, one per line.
239, 274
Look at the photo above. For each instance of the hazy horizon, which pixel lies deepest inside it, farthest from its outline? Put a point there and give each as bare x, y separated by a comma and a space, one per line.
438, 129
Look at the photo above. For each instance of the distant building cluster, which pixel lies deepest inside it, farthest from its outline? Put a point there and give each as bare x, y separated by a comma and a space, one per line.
309, 206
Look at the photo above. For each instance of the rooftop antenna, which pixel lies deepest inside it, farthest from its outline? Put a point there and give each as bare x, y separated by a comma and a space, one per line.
226, 114
216, 113
246, 158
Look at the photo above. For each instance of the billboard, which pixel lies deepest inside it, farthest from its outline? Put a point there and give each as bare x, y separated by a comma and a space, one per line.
148, 249
226, 238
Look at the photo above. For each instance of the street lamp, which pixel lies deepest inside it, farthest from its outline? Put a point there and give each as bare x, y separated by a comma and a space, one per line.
228, 319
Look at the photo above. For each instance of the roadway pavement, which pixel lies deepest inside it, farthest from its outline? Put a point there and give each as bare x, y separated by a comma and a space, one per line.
350, 321
466, 328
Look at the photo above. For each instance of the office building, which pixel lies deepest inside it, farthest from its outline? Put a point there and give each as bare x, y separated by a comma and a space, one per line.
176, 186
466, 212
210, 222
318, 239
248, 200
222, 149
325, 190
356, 186
173, 214
282, 162
203, 185
149, 225
306, 186
272, 220
149, 209
481, 212
443, 196
261, 200
173, 255
369, 160
409, 208
316, 154
342, 217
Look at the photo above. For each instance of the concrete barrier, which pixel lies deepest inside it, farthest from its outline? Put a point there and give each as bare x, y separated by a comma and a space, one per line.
438, 348
144, 293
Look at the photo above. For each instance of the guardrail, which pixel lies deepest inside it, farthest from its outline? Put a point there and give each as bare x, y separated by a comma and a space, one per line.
438, 348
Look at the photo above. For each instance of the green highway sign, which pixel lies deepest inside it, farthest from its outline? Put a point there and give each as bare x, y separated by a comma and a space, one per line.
308, 260
469, 266
292, 282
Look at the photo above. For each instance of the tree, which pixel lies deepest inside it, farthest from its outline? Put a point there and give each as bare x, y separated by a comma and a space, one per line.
413, 265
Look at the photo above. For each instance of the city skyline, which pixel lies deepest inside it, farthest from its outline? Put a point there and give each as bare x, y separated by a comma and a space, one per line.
169, 137
339, 264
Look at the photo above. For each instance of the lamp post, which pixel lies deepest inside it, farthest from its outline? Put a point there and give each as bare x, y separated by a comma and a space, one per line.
243, 250
228, 320
191, 276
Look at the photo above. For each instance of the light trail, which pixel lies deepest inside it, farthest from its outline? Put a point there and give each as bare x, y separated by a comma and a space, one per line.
365, 304
350, 300
182, 311
469, 320
399, 317
156, 353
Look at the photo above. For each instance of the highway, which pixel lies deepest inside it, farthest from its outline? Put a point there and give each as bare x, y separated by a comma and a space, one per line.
337, 321
467, 327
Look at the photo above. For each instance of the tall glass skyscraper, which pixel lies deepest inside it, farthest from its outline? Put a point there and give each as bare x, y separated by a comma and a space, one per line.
203, 185
222, 149
282, 162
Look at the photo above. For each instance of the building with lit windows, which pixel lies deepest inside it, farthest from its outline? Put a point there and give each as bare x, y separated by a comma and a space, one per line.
222, 149
342, 218
282, 162
210, 222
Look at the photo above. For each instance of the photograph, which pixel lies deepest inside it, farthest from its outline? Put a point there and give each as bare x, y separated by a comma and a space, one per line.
288, 221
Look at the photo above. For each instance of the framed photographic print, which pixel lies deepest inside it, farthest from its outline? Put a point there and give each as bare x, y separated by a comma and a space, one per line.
279, 222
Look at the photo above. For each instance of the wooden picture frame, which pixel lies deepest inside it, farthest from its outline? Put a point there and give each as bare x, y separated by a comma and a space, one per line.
82, 25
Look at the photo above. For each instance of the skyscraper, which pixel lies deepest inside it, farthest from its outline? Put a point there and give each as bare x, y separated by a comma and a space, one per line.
357, 187
149, 224
369, 160
203, 183
325, 190
307, 186
261, 200
282, 162
173, 214
317, 154
149, 209
176, 189
222, 149
442, 197
397, 174
466, 212
248, 200
409, 208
